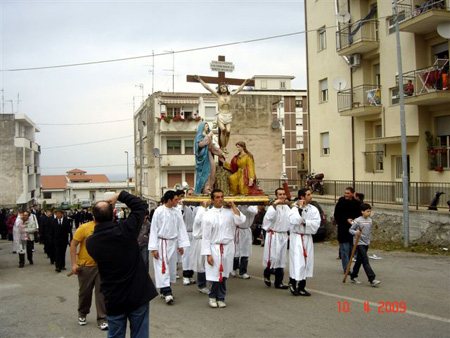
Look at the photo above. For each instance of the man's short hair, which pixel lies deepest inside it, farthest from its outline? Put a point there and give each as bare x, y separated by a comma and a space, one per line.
360, 196
103, 212
168, 195
277, 189
180, 192
350, 189
302, 192
215, 191
365, 206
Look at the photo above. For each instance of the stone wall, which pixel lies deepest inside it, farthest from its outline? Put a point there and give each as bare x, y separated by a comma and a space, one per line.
252, 119
425, 227
9, 190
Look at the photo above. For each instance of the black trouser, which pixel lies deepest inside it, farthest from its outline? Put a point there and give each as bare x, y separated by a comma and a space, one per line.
301, 284
363, 260
188, 273
240, 264
166, 291
60, 255
219, 290
30, 245
51, 251
278, 272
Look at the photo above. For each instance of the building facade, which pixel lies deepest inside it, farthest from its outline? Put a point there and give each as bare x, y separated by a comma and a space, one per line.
20, 174
353, 90
166, 123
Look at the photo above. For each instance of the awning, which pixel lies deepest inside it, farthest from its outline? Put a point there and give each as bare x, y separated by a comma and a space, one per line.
179, 102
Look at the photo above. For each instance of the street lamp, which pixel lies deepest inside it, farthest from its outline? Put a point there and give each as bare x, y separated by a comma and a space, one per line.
128, 174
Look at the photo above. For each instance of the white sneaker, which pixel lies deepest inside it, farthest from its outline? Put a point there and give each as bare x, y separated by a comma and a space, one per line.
212, 302
103, 326
244, 276
221, 304
204, 290
233, 274
375, 282
186, 281
169, 299
192, 280
82, 321
355, 280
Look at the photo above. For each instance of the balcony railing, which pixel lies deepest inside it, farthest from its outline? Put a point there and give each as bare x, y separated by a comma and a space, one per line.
428, 80
375, 192
358, 97
357, 32
407, 9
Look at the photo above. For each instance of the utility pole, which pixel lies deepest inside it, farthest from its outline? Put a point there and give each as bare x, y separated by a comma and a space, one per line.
128, 174
141, 86
18, 101
403, 132
172, 70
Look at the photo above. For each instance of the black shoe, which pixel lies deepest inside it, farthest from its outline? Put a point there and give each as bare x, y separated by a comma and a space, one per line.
293, 290
304, 293
58, 270
63, 268
281, 286
31, 263
267, 282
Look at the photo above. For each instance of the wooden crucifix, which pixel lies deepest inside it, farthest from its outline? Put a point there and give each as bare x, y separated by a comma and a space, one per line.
224, 116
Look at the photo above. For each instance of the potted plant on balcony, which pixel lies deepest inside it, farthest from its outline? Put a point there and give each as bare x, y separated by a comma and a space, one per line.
431, 142
177, 118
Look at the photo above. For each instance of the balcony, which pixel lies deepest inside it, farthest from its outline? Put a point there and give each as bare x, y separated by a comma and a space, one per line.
360, 101
177, 160
177, 125
22, 142
424, 18
357, 38
428, 86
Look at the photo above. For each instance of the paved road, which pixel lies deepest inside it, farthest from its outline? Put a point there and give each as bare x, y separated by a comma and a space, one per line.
38, 302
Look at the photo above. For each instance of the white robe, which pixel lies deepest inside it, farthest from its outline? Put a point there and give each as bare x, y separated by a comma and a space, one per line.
218, 232
301, 241
197, 261
188, 218
243, 233
167, 234
276, 223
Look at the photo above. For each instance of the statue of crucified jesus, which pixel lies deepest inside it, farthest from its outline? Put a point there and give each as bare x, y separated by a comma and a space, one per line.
225, 116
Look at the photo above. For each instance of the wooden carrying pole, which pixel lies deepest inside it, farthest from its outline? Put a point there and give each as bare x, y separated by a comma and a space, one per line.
351, 257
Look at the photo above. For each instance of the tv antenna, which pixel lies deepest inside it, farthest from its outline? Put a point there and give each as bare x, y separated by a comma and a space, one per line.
343, 17
339, 83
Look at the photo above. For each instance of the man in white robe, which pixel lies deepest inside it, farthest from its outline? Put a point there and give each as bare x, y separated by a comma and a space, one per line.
167, 235
276, 224
196, 259
189, 213
243, 242
218, 246
305, 221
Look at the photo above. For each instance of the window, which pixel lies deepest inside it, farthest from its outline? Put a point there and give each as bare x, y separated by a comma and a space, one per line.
189, 178
376, 70
282, 84
325, 143
391, 22
323, 85
173, 146
379, 149
47, 195
189, 147
173, 179
442, 124
173, 111
263, 84
322, 37
394, 95
298, 103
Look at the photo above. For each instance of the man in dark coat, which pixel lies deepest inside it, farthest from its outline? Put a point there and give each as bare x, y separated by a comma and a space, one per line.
345, 211
61, 236
125, 281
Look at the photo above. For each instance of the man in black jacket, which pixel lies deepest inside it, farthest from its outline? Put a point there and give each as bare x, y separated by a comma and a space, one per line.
125, 282
61, 234
345, 211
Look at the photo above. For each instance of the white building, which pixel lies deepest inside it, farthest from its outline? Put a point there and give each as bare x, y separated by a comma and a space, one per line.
20, 173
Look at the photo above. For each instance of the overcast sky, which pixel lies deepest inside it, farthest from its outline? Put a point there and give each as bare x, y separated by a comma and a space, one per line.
51, 33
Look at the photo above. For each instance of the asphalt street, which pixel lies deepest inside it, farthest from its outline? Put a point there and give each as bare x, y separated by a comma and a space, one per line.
413, 300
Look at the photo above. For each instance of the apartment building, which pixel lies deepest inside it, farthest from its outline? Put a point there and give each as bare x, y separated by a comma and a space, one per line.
353, 89
20, 174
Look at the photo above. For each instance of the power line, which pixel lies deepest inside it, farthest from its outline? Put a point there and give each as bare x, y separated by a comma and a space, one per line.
87, 166
152, 55
80, 144
81, 124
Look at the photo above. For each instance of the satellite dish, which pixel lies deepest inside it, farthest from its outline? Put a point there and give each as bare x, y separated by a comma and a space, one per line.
343, 17
185, 185
177, 186
156, 152
339, 83
443, 30
275, 125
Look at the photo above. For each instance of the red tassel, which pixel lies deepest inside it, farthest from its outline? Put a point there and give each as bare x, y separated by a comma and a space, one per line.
221, 265
163, 267
162, 257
